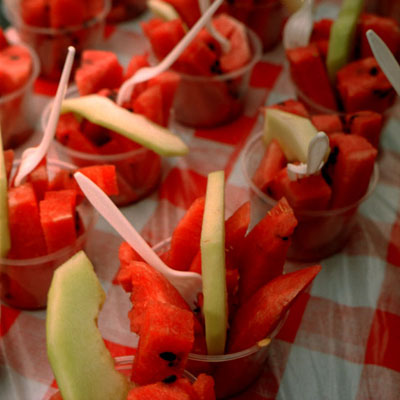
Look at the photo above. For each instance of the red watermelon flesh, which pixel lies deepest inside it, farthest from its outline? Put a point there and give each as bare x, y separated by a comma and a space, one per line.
386, 28
367, 124
159, 391
145, 285
307, 193
27, 239
68, 196
98, 70
3, 40
15, 68
166, 338
76, 140
136, 62
363, 86
35, 12
258, 316
292, 106
328, 123
57, 218
103, 176
349, 168
66, 123
39, 179
305, 62
321, 30
188, 10
149, 103
204, 387
66, 13
8, 161
271, 163
265, 249
185, 241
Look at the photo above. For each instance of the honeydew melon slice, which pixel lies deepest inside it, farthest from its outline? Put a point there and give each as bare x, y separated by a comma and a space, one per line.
164, 10
5, 241
342, 36
212, 245
104, 112
82, 365
294, 133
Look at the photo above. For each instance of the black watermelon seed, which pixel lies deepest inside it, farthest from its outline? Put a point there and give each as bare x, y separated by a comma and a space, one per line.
170, 379
374, 71
168, 356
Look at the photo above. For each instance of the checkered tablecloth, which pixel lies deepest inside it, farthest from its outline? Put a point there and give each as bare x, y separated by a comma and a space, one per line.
341, 339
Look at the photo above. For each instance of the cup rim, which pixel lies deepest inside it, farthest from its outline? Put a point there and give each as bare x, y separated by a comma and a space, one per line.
24, 262
15, 19
301, 213
33, 76
107, 158
257, 54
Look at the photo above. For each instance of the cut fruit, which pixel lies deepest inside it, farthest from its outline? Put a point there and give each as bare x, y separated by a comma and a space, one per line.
163, 10
293, 133
342, 36
212, 245
82, 365
5, 242
104, 112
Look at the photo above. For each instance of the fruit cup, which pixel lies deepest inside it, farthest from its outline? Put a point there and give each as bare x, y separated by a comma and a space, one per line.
210, 101
24, 283
16, 117
51, 36
138, 169
264, 17
124, 10
319, 234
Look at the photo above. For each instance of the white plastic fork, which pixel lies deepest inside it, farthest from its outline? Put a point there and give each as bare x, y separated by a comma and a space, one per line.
386, 59
298, 28
32, 156
146, 73
189, 284
222, 40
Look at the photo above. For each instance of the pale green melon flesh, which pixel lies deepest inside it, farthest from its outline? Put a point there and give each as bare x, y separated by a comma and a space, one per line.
292, 131
102, 111
5, 241
213, 264
342, 36
82, 365
162, 10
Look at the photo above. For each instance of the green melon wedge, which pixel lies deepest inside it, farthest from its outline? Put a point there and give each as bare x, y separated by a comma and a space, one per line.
212, 245
102, 111
82, 365
5, 241
163, 10
342, 36
293, 133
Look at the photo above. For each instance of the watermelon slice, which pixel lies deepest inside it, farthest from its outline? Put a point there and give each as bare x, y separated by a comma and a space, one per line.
65, 13
265, 249
189, 10
39, 179
150, 104
292, 106
35, 12
328, 123
367, 124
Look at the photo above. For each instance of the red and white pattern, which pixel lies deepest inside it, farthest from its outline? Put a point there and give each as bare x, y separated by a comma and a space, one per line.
342, 337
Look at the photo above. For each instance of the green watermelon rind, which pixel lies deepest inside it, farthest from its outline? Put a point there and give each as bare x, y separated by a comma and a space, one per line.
5, 240
104, 112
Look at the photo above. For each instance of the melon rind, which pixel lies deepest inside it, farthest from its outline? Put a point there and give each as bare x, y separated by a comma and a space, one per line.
212, 244
5, 240
292, 131
102, 111
81, 363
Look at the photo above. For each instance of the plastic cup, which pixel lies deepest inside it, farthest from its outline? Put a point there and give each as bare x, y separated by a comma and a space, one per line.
124, 10
51, 45
386, 8
210, 101
232, 372
265, 17
24, 283
319, 234
138, 170
16, 118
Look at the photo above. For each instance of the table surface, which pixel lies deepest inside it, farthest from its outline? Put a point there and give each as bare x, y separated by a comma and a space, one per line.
341, 340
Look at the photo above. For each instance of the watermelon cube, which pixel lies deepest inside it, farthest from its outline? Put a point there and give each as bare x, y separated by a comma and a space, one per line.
166, 338
292, 106
328, 123
39, 179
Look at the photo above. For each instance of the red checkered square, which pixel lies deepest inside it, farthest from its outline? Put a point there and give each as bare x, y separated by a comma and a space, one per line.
393, 254
182, 186
265, 74
389, 298
335, 329
383, 347
8, 316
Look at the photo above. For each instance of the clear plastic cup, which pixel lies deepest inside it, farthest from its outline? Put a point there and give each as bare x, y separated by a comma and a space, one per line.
51, 45
125, 10
16, 117
138, 171
318, 234
124, 364
232, 372
265, 17
210, 101
24, 283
